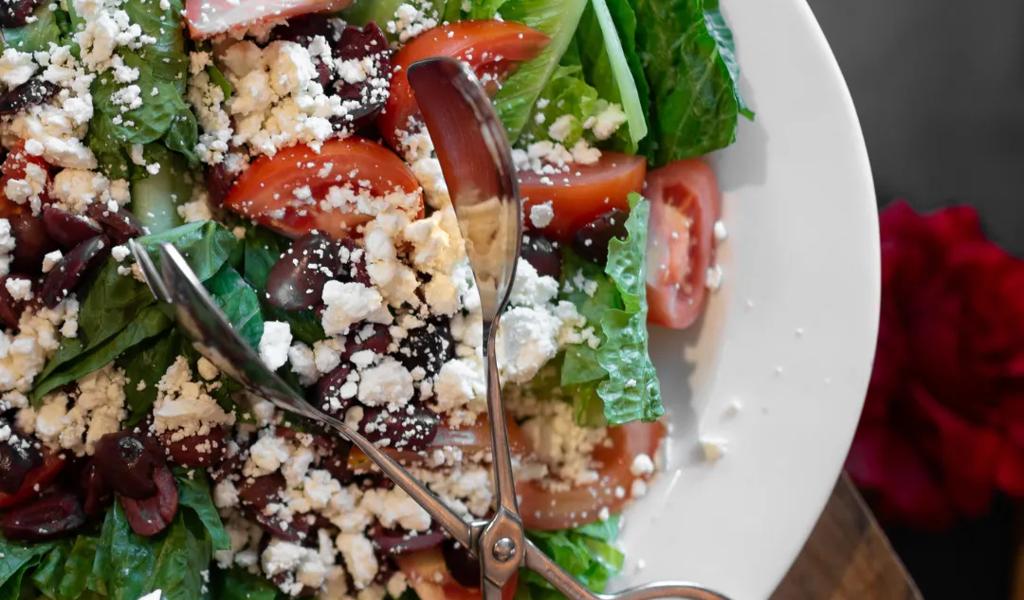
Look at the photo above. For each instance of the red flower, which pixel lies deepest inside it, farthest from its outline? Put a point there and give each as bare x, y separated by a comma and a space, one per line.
943, 425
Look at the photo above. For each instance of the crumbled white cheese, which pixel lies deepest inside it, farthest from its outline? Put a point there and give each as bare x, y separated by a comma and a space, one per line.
412, 19
78, 420
348, 303
642, 465
50, 259
542, 214
359, 557
184, 407
388, 383
561, 444
274, 344
7, 243
16, 67
19, 288
607, 122
23, 354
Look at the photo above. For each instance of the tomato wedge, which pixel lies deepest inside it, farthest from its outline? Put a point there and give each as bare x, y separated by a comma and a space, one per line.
685, 203
285, 192
585, 193
34, 482
550, 510
429, 577
490, 48
210, 17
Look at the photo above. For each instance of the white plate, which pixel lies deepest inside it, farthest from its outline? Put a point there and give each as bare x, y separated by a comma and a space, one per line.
790, 335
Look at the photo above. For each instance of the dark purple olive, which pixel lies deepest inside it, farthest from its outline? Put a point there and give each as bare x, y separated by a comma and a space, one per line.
378, 340
328, 391
119, 225
400, 541
464, 568
45, 519
303, 29
219, 181
95, 492
31, 242
67, 229
15, 13
32, 92
411, 428
198, 451
428, 347
127, 462
296, 281
591, 241
359, 43
10, 308
16, 460
68, 273
255, 494
150, 516
336, 461
543, 254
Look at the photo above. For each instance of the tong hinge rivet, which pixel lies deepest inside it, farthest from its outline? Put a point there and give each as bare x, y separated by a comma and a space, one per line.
504, 549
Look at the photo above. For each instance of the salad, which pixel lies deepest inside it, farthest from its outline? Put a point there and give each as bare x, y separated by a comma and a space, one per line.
278, 145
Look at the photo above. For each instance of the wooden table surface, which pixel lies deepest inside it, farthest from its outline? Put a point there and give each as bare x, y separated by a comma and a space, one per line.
847, 556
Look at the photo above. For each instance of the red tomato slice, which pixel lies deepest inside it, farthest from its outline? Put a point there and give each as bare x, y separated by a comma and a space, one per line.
550, 510
586, 192
270, 190
35, 481
14, 167
429, 577
685, 203
490, 47
209, 17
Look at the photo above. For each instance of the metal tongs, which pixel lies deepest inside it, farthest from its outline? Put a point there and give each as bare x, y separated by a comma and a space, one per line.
482, 184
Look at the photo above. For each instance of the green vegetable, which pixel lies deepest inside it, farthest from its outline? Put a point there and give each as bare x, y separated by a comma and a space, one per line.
585, 552
118, 312
237, 584
194, 494
556, 18
64, 573
483, 9
687, 54
567, 94
147, 363
240, 303
607, 50
620, 365
155, 198
35, 36
18, 560
164, 116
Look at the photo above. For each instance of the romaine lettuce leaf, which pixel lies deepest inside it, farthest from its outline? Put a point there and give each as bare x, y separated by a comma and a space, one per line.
566, 94
556, 18
238, 584
687, 53
585, 552
34, 36
614, 302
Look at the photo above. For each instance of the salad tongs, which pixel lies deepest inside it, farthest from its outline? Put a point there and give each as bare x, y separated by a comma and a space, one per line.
499, 542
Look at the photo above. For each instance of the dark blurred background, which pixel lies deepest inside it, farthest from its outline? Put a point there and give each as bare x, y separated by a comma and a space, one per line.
939, 88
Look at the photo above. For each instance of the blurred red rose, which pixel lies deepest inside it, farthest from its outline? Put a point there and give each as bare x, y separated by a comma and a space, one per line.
943, 424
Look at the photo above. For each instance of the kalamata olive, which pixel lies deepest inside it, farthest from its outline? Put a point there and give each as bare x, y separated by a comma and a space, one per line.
543, 254
464, 568
15, 13
68, 273
95, 491
296, 281
329, 391
119, 225
127, 462
255, 494
411, 428
591, 241
400, 541
16, 460
219, 181
45, 519
67, 229
198, 451
31, 242
32, 92
358, 43
10, 307
336, 461
428, 347
152, 515
304, 28
372, 336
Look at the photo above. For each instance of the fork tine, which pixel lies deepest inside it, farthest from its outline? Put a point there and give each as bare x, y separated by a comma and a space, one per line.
149, 272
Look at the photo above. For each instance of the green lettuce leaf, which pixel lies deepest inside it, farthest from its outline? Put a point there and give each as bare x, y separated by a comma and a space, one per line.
614, 301
585, 552
64, 572
240, 303
556, 18
194, 494
147, 362
35, 36
238, 584
607, 50
16, 562
689, 59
